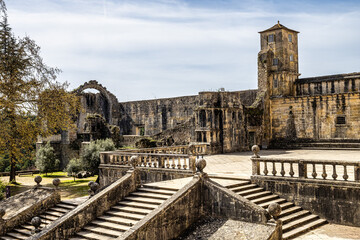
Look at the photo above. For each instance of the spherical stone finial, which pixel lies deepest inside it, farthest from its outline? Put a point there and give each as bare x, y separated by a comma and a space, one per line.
56, 182
134, 161
200, 164
255, 149
38, 180
36, 222
2, 213
274, 209
93, 188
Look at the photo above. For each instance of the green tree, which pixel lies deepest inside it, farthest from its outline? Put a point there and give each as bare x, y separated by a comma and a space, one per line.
2, 190
74, 166
91, 155
46, 160
32, 102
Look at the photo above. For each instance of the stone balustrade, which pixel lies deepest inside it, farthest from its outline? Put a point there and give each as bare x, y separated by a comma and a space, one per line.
150, 160
343, 170
197, 149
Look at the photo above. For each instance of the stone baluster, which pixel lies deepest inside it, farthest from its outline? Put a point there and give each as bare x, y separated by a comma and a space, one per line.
265, 169
314, 174
282, 172
291, 170
345, 176
302, 167
324, 174
179, 163
255, 160
357, 173
274, 169
167, 162
334, 175
173, 165
184, 165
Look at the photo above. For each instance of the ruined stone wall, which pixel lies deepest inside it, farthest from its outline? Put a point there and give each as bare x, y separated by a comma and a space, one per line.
316, 117
156, 115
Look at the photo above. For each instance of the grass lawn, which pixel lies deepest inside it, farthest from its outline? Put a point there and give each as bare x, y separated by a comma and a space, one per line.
68, 187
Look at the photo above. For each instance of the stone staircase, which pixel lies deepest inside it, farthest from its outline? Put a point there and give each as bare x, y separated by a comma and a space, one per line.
25, 231
296, 220
127, 212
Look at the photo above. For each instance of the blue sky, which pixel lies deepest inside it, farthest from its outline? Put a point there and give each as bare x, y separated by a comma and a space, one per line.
167, 48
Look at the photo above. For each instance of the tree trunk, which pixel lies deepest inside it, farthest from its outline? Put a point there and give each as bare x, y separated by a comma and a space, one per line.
12, 170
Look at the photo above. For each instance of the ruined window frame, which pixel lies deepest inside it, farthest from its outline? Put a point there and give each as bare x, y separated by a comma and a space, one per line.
290, 37
340, 120
291, 57
275, 62
271, 38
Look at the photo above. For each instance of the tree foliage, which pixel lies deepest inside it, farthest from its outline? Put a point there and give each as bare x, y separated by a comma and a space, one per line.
74, 166
32, 102
2, 190
46, 160
91, 156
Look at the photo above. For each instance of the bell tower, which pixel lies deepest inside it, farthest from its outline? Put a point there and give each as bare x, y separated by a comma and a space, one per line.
278, 61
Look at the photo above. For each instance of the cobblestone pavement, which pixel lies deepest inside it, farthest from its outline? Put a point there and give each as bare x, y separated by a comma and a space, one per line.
239, 164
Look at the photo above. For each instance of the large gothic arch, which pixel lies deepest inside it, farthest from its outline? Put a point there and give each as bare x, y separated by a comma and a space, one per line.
95, 85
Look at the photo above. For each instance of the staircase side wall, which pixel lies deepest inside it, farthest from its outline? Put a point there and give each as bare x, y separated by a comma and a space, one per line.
338, 202
173, 217
76, 219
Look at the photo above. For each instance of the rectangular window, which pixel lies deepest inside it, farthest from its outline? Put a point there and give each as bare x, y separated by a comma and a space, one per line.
340, 120
275, 83
275, 61
291, 58
318, 88
271, 38
290, 37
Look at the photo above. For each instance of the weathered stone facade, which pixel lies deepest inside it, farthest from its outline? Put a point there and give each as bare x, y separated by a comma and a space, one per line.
283, 108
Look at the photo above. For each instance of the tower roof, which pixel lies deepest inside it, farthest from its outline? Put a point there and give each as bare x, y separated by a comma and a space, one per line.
278, 26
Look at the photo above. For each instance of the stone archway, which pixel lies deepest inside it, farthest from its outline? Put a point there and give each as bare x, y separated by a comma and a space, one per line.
95, 85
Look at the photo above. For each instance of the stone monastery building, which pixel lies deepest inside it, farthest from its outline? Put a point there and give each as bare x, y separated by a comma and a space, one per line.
285, 110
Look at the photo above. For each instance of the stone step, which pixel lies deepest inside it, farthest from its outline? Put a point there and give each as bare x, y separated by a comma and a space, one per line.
70, 203
8, 238
65, 205
130, 209
93, 236
154, 190
59, 209
150, 195
103, 231
17, 235
48, 217
294, 216
23, 231
118, 220
286, 205
243, 188
237, 184
304, 228
258, 195
173, 189
126, 215
54, 213
299, 222
265, 199
155, 202
250, 191
77, 238
278, 200
138, 205
104, 222
290, 210
28, 227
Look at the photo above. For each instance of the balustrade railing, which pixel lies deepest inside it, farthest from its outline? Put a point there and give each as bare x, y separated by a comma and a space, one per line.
342, 170
150, 160
197, 149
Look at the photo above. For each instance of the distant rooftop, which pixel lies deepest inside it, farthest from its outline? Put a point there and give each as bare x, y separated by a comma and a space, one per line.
329, 78
278, 26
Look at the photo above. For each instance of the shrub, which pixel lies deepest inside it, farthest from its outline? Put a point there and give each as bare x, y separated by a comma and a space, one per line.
91, 156
74, 166
2, 190
46, 160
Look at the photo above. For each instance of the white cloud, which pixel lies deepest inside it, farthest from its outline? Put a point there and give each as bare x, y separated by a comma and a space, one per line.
140, 50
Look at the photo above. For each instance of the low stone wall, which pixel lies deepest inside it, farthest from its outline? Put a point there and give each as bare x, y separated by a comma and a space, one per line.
221, 202
110, 173
23, 206
336, 201
76, 219
173, 216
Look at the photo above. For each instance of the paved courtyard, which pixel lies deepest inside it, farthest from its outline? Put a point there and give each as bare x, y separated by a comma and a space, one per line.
239, 164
